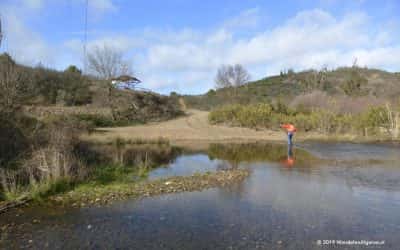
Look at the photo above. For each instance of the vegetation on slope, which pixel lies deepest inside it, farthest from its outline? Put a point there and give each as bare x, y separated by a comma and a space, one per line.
43, 112
354, 83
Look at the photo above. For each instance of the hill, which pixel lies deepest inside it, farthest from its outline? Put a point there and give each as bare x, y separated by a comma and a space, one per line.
44, 92
346, 84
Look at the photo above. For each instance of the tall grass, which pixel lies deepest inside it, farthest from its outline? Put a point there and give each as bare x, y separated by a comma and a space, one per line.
51, 170
380, 121
139, 141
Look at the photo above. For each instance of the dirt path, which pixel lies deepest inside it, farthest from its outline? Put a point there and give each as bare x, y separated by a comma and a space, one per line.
192, 127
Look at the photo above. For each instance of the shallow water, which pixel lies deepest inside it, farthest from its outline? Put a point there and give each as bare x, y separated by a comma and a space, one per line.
188, 165
329, 192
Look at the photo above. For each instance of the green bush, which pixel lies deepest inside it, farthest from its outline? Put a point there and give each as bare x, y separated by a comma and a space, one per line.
355, 84
264, 115
110, 173
97, 120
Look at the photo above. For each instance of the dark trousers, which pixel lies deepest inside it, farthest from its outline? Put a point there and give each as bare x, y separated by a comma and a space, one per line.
290, 136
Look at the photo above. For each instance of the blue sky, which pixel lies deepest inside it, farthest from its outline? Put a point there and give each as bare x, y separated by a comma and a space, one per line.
177, 45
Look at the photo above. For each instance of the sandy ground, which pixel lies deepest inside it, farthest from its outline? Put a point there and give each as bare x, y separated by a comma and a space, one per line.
193, 127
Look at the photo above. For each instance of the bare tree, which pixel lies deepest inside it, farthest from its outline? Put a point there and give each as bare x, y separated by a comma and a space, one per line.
107, 62
393, 124
231, 76
222, 79
12, 85
240, 75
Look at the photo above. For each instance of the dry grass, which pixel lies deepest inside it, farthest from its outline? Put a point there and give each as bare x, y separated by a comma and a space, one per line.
194, 130
193, 126
338, 104
47, 111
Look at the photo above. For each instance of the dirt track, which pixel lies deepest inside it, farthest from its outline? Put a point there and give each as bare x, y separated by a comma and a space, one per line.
192, 127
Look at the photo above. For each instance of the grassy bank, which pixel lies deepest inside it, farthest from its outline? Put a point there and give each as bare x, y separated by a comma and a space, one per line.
94, 194
101, 176
90, 165
116, 183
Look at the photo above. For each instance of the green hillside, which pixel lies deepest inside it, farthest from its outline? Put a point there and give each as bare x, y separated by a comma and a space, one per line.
346, 82
46, 92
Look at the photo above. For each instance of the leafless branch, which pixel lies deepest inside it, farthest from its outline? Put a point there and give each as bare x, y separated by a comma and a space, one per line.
231, 76
107, 62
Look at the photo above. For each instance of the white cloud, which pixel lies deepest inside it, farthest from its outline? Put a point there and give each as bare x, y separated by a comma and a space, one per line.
308, 32
99, 7
34, 4
311, 39
25, 45
246, 19
30, 48
185, 60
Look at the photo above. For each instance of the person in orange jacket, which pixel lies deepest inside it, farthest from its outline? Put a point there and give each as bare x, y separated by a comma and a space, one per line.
290, 129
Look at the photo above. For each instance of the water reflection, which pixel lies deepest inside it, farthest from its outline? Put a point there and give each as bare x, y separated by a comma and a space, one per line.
189, 164
275, 207
233, 156
261, 152
289, 162
129, 155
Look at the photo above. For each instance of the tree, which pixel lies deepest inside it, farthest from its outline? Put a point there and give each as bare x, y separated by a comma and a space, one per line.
231, 76
75, 89
355, 84
72, 69
107, 62
13, 86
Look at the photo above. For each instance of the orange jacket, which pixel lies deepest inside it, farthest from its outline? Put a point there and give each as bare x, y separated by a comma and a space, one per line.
289, 127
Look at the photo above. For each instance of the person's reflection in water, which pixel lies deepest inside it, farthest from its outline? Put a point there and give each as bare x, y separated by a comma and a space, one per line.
289, 162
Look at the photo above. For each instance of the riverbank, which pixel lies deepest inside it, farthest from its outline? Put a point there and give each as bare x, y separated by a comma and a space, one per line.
87, 195
194, 129
91, 194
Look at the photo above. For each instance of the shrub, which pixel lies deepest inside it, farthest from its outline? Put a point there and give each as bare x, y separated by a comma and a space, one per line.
48, 157
354, 85
376, 120
95, 120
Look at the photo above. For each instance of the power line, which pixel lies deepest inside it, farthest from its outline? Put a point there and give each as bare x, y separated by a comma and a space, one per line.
1, 33
85, 37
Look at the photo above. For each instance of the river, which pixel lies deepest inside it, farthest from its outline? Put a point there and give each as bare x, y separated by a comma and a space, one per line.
317, 195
